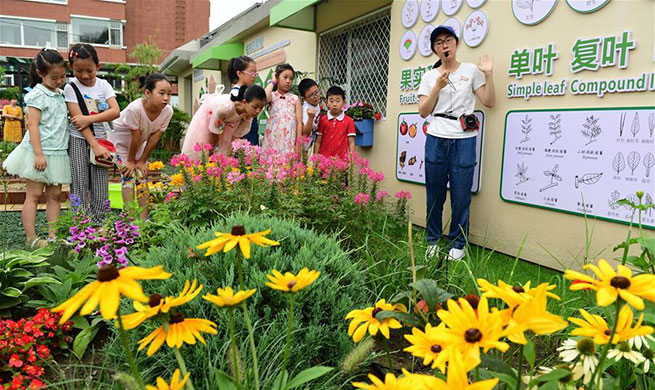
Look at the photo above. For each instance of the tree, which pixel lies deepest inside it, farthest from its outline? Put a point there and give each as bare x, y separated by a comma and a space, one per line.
146, 55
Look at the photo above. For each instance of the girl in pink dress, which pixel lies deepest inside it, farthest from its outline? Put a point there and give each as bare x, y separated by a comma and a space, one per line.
285, 119
222, 119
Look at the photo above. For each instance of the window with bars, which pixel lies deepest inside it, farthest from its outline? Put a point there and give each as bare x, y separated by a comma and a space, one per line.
356, 57
62, 35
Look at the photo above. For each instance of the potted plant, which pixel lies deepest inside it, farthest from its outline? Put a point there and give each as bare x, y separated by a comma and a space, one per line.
363, 115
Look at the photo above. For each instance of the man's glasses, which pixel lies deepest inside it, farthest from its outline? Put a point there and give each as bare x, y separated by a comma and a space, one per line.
314, 95
441, 42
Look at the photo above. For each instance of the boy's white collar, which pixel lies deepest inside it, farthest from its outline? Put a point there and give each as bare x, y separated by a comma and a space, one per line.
339, 118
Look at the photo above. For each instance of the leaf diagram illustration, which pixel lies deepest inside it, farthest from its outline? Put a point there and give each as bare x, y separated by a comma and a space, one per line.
618, 164
634, 129
526, 4
649, 162
526, 128
622, 124
554, 178
555, 127
587, 178
633, 161
591, 129
522, 170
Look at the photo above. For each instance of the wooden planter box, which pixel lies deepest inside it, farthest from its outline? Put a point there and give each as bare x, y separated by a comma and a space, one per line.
18, 197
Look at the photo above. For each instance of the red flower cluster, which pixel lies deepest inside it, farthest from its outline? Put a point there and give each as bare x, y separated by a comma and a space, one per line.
24, 346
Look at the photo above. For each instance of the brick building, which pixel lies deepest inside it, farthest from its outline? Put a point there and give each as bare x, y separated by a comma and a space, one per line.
114, 27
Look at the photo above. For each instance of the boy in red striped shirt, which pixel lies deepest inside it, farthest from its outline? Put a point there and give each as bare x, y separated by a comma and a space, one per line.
336, 130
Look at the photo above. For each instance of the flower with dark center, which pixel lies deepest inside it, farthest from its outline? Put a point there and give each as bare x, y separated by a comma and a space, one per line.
158, 304
586, 346
237, 237
375, 312
473, 335
473, 300
107, 290
238, 230
620, 282
648, 354
291, 284
155, 300
610, 284
365, 320
436, 348
108, 273
176, 318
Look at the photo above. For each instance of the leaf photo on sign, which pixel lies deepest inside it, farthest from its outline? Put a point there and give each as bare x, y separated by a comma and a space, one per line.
430, 9
476, 28
409, 13
451, 7
475, 3
532, 12
408, 45
587, 6
424, 45
588, 179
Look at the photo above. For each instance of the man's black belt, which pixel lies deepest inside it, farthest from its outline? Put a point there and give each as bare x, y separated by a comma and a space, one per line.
447, 116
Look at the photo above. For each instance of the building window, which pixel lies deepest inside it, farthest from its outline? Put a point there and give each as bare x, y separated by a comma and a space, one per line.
27, 32
356, 57
97, 31
62, 35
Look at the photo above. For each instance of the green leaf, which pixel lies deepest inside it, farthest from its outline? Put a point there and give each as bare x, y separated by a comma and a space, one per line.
554, 375
509, 380
11, 292
530, 353
431, 293
8, 302
276, 383
405, 318
82, 341
20, 273
647, 244
39, 280
497, 365
223, 381
308, 375
638, 261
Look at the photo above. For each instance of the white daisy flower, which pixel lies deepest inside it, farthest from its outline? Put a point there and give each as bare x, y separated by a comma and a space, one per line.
638, 341
624, 351
649, 357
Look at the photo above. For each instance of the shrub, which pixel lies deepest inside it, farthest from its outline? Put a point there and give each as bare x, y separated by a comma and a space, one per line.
26, 344
319, 336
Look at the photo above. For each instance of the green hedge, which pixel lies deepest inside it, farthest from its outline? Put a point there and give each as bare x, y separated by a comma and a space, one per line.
319, 336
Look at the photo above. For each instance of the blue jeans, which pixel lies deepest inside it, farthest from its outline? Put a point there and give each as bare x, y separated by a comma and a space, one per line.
449, 160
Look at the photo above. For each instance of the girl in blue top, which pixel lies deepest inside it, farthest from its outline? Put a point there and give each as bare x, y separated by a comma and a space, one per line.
42, 158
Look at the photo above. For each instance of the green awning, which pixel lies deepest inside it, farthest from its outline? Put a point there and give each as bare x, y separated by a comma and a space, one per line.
296, 14
211, 57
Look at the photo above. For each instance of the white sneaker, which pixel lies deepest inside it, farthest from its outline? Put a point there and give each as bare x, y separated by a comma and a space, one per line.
455, 254
431, 251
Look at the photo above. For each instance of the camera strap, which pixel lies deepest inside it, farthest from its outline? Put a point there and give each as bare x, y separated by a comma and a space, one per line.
447, 116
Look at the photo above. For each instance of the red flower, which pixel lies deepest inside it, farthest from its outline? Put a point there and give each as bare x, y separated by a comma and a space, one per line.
17, 381
15, 361
378, 116
36, 385
43, 351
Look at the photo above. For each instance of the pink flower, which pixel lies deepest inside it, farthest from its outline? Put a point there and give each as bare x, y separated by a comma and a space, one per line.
381, 195
235, 177
197, 178
170, 196
197, 148
360, 104
404, 195
304, 140
214, 171
207, 147
14, 361
362, 199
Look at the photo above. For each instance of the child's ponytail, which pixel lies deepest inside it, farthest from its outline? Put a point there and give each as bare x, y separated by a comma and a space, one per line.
44, 60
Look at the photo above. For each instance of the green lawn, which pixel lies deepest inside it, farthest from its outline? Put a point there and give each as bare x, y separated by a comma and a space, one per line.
12, 235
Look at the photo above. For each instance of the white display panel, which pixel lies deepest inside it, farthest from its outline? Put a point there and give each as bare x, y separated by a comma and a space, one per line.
581, 160
411, 132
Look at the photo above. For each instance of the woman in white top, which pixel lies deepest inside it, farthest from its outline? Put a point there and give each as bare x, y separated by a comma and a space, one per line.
448, 92
137, 132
